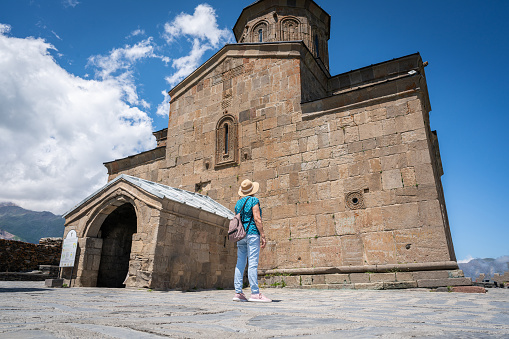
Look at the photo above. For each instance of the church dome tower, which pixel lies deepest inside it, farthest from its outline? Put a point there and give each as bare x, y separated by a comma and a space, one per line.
286, 20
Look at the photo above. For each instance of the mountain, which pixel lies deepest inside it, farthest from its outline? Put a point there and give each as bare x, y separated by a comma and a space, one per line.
488, 266
8, 236
30, 225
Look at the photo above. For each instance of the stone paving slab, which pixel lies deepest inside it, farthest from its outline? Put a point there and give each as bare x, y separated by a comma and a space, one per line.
30, 310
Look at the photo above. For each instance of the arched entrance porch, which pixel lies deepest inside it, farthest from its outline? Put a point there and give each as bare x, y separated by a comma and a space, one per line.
117, 232
164, 237
107, 243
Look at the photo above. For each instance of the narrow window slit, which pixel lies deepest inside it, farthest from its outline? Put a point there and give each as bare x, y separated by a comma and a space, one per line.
317, 46
226, 137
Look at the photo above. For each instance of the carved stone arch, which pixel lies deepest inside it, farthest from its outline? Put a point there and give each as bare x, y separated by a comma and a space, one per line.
104, 209
260, 31
106, 245
226, 141
291, 29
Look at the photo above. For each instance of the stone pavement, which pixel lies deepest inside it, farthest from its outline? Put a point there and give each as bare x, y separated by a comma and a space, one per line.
29, 310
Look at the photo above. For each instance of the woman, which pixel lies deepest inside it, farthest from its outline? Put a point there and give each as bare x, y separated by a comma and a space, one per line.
248, 249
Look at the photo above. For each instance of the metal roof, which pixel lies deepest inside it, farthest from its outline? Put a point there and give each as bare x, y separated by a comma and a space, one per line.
184, 197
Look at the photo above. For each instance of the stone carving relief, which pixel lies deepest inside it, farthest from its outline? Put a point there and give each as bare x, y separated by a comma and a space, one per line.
227, 98
290, 30
228, 75
355, 200
260, 32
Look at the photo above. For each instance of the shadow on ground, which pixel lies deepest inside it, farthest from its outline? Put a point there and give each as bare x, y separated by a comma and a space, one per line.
20, 289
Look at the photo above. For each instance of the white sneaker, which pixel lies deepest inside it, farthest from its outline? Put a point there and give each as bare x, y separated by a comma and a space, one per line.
259, 298
239, 297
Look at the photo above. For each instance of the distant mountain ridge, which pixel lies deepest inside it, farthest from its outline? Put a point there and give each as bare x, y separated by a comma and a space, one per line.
488, 266
27, 225
8, 236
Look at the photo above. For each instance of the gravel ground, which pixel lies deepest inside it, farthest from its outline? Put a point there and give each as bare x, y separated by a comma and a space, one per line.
29, 310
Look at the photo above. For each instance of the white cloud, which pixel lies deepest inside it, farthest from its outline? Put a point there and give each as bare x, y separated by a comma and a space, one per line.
136, 33
56, 35
57, 129
70, 3
202, 25
202, 30
164, 107
187, 64
118, 66
4, 28
122, 59
466, 260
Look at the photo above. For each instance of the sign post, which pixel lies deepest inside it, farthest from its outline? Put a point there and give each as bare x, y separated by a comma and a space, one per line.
69, 248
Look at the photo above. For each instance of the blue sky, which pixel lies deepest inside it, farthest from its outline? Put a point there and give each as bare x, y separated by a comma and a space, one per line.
85, 81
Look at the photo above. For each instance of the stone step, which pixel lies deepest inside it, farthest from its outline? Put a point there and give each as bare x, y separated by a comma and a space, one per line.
433, 283
373, 281
53, 282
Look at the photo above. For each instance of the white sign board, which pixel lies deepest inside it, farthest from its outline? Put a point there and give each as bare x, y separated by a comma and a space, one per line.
69, 250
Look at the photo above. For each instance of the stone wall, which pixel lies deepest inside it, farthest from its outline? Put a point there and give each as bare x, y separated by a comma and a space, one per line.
265, 98
145, 165
371, 281
17, 256
193, 253
365, 192
155, 241
501, 278
345, 180
480, 278
351, 178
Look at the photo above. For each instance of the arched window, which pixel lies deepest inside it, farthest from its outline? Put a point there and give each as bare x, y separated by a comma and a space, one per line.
226, 141
290, 30
260, 32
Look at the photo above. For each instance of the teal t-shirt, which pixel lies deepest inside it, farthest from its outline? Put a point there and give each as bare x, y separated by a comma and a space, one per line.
247, 213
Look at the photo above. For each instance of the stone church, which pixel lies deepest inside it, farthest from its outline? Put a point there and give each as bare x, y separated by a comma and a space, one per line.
349, 170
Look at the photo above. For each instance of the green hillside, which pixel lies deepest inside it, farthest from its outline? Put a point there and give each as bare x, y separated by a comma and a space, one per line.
29, 225
8, 236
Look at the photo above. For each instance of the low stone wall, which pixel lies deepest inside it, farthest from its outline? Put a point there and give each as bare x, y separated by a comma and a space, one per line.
17, 256
498, 280
14, 276
371, 281
501, 280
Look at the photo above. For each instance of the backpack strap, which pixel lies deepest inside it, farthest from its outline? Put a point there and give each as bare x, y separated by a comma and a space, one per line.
244, 204
242, 210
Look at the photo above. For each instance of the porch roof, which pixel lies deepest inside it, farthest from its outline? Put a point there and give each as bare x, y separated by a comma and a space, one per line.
195, 200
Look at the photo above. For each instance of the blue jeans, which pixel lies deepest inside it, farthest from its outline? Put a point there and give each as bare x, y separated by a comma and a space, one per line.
247, 248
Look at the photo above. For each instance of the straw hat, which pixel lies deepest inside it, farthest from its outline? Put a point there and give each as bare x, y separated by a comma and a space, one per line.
248, 188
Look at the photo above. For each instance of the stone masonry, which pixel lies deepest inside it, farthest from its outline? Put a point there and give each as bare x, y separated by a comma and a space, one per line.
501, 279
129, 229
18, 256
349, 168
